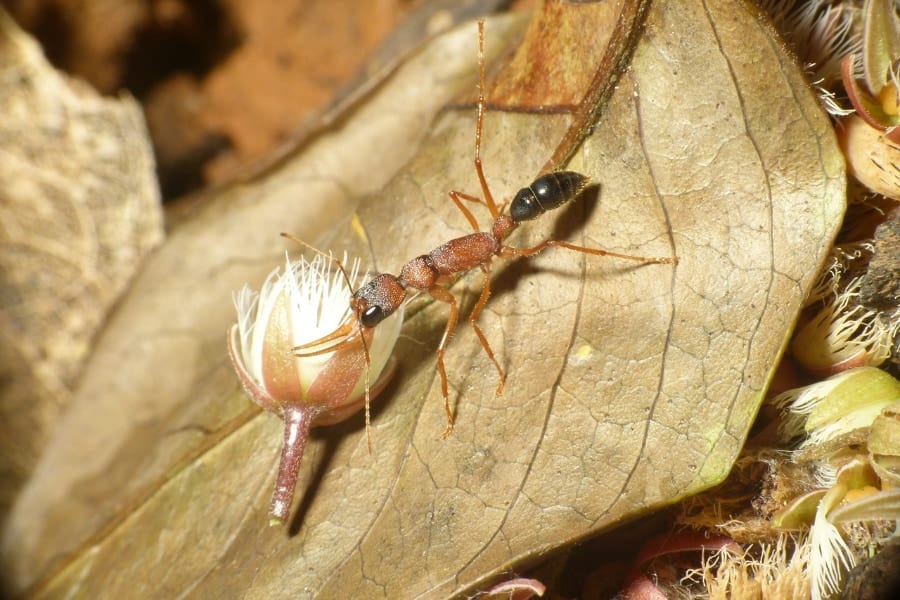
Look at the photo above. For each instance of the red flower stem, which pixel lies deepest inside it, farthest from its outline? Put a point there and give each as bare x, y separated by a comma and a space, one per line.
297, 422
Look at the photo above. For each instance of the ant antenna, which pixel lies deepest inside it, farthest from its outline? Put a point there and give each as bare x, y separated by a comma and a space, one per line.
480, 111
339, 264
362, 336
479, 126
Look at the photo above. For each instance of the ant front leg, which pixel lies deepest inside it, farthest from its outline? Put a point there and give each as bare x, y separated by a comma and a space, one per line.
458, 197
479, 127
508, 251
441, 294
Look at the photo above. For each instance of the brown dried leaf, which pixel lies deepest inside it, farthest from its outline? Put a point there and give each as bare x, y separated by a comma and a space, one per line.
79, 209
628, 387
159, 392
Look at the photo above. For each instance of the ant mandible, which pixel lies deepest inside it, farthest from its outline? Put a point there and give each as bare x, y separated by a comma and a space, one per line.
385, 293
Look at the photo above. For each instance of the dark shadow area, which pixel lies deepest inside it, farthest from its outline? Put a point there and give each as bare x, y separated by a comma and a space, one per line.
333, 441
49, 26
192, 41
164, 66
160, 52
133, 46
600, 564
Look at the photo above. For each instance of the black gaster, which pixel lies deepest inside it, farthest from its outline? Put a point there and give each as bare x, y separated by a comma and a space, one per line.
546, 193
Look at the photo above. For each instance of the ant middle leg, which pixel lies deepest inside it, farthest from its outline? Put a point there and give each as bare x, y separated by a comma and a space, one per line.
508, 251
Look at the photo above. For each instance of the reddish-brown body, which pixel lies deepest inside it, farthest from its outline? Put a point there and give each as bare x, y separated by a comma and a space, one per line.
385, 293
456, 256
464, 253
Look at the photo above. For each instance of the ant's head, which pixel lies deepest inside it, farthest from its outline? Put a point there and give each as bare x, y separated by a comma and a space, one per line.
377, 299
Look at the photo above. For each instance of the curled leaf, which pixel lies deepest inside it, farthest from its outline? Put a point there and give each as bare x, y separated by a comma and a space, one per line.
79, 211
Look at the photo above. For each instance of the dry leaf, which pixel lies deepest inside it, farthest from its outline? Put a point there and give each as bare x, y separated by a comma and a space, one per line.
159, 392
629, 387
79, 210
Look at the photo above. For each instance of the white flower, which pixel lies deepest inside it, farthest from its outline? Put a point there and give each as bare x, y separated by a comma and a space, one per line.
326, 383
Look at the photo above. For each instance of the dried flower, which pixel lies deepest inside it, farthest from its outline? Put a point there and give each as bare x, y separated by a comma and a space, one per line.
830, 556
874, 94
305, 302
767, 570
843, 335
828, 409
870, 138
832, 414
820, 33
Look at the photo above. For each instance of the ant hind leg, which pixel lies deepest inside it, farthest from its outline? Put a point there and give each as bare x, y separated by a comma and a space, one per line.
441, 294
473, 317
509, 251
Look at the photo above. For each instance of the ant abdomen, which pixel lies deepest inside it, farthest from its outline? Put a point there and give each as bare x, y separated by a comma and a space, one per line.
546, 193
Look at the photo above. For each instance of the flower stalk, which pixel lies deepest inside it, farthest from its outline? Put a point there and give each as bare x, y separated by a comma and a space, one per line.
297, 423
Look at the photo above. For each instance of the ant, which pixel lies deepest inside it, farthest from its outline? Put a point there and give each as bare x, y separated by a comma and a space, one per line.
429, 273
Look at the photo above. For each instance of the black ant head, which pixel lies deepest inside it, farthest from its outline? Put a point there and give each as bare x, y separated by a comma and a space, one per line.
377, 299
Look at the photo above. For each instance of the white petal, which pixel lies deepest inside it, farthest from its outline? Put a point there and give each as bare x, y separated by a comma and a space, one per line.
252, 342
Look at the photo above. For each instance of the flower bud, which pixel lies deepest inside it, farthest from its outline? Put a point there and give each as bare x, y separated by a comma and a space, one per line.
303, 303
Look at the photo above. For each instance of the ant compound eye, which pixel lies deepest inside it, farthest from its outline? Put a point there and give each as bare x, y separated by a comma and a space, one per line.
372, 316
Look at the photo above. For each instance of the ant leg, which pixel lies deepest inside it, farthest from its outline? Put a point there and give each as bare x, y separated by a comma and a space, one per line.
508, 251
457, 198
479, 125
439, 293
362, 337
473, 316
